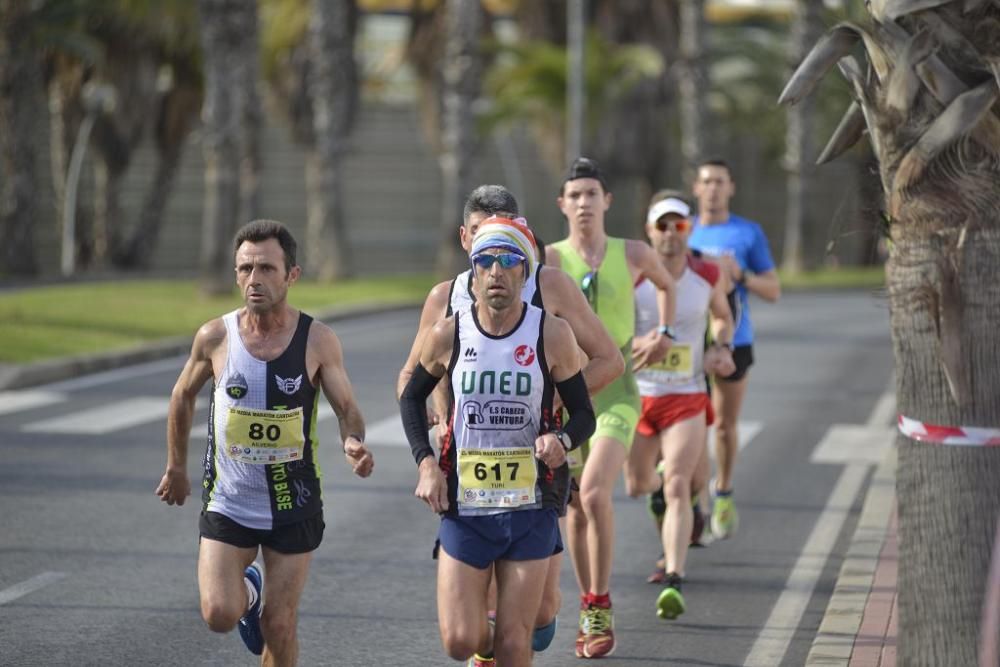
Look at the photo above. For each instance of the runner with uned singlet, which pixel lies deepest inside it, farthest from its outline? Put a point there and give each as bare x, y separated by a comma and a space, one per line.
546, 288
501, 477
676, 410
261, 485
741, 249
605, 269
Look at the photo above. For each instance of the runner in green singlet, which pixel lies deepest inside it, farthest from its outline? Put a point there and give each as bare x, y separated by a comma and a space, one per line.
606, 269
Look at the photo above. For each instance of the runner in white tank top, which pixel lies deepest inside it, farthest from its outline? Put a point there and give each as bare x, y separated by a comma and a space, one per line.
675, 406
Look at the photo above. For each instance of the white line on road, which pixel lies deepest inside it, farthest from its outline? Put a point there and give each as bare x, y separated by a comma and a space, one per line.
107, 377
104, 418
777, 633
15, 401
30, 586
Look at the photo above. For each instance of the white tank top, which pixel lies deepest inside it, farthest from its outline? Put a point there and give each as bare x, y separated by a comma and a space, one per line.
461, 297
682, 372
500, 386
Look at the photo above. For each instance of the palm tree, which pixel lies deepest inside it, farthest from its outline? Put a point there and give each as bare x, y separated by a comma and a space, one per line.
334, 93
691, 73
228, 35
925, 94
21, 97
462, 74
807, 26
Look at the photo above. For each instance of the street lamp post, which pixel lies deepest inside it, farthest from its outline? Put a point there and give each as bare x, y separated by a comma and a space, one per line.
575, 109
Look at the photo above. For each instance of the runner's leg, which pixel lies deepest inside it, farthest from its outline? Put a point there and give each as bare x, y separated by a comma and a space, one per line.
461, 595
519, 597
220, 583
727, 397
284, 579
682, 443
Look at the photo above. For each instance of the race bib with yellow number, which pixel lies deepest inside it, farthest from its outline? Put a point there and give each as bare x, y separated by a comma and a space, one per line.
677, 362
496, 478
263, 437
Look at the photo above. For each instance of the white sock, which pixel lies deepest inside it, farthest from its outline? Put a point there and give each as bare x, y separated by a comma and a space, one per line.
251, 593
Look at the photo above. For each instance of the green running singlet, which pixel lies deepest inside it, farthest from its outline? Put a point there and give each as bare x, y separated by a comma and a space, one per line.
612, 298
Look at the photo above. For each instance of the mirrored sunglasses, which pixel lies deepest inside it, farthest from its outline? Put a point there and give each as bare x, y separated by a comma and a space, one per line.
679, 226
507, 260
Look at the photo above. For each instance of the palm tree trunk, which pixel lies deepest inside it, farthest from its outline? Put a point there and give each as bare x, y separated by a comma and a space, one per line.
137, 251
949, 498
21, 95
333, 92
225, 25
462, 74
250, 114
800, 147
692, 85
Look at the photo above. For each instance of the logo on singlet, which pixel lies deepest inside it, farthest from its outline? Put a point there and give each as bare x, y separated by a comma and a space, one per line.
236, 386
470, 354
524, 355
288, 385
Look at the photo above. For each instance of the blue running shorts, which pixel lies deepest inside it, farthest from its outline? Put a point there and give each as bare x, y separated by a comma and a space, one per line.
520, 535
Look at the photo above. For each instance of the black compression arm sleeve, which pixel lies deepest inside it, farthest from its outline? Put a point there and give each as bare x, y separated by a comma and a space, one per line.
581, 422
413, 410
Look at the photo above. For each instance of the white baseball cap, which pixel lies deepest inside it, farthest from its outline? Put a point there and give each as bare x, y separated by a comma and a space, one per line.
668, 205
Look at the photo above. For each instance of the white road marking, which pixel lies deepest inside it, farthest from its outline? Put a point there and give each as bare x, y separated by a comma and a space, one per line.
116, 375
774, 638
104, 418
858, 447
30, 586
15, 401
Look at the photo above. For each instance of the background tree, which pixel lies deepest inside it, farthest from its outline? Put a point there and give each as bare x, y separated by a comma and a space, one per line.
926, 94
807, 26
462, 73
228, 39
691, 74
334, 94
21, 94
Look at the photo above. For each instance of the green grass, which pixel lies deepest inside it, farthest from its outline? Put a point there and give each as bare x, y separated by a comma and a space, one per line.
850, 277
48, 322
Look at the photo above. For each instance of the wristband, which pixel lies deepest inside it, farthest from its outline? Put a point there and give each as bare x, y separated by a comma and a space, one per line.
667, 331
564, 440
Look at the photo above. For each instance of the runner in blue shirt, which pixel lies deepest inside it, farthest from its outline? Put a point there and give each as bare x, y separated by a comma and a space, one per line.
742, 252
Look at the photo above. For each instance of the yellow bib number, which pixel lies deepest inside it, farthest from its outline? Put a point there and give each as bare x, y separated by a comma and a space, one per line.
262, 437
496, 478
678, 360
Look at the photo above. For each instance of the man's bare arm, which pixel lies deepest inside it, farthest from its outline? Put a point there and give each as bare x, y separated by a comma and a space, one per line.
336, 386
766, 285
174, 487
435, 307
564, 299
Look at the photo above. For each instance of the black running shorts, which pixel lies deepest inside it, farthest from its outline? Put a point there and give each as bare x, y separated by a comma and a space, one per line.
294, 538
743, 358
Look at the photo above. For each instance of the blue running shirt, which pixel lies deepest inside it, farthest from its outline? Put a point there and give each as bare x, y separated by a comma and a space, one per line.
743, 240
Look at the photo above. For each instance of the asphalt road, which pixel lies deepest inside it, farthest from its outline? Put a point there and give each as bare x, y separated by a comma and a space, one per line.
94, 569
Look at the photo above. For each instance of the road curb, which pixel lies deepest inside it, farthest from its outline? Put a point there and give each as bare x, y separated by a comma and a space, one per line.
19, 376
838, 632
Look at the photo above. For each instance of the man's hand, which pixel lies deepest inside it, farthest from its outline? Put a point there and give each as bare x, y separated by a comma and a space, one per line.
731, 268
550, 451
650, 349
719, 361
358, 456
432, 487
174, 487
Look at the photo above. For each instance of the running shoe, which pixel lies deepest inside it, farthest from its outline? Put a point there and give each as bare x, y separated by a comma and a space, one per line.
479, 661
670, 604
657, 502
724, 517
250, 622
581, 632
600, 639
658, 577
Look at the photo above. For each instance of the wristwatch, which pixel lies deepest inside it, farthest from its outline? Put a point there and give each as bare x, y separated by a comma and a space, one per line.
667, 331
565, 440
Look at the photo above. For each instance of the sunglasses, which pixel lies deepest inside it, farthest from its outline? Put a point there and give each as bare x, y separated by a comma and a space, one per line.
507, 260
679, 226
589, 286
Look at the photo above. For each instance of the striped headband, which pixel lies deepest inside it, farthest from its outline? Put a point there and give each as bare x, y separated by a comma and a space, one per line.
513, 235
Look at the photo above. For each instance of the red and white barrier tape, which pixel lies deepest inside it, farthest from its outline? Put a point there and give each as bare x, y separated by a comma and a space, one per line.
964, 436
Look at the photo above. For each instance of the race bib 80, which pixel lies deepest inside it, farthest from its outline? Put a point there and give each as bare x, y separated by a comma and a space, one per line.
263, 437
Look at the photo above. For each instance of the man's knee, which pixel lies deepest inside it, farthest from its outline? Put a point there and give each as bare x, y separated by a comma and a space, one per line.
549, 609
511, 638
676, 488
220, 617
594, 500
459, 644
278, 625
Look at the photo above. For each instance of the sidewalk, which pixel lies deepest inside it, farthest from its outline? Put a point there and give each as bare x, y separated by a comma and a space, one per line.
859, 627
17, 376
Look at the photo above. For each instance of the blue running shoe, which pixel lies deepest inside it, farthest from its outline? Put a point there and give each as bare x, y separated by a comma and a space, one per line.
250, 623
